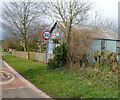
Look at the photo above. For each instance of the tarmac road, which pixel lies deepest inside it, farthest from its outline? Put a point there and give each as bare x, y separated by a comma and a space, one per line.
17, 88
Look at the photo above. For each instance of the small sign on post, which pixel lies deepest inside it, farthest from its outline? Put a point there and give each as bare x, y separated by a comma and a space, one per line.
46, 35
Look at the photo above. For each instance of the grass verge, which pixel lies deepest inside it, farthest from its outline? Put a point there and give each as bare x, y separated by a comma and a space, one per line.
67, 82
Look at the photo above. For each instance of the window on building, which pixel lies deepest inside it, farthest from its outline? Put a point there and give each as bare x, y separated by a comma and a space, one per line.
118, 50
103, 45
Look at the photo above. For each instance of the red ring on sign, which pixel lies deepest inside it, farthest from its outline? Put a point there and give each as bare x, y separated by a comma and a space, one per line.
44, 37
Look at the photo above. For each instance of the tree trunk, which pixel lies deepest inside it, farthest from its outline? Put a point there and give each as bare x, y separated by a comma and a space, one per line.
68, 49
26, 47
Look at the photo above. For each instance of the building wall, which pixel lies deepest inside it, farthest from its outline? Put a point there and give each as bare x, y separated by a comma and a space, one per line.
96, 45
51, 46
56, 33
118, 50
111, 45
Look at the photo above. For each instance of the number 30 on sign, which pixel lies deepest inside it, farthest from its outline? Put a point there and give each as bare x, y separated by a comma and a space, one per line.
46, 35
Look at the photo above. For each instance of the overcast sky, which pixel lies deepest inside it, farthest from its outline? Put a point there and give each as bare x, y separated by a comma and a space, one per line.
107, 8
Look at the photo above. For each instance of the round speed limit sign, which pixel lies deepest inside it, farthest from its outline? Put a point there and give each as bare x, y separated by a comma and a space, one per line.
46, 35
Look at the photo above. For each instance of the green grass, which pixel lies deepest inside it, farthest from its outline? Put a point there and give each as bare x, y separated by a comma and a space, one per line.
67, 83
6, 53
1, 50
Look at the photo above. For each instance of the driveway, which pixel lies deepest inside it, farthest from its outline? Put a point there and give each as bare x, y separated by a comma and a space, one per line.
15, 86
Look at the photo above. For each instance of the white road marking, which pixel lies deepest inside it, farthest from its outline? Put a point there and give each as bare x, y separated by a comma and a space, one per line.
8, 76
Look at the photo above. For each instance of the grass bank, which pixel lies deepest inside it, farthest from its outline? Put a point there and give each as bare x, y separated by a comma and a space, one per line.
67, 83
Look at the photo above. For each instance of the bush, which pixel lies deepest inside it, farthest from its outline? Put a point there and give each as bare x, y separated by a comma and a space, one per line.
59, 59
18, 47
105, 58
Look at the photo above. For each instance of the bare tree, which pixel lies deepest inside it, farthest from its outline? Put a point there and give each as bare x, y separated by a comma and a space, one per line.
98, 20
80, 46
35, 41
70, 13
19, 17
109, 23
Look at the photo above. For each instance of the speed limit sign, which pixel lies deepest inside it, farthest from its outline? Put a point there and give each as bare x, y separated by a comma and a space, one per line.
46, 35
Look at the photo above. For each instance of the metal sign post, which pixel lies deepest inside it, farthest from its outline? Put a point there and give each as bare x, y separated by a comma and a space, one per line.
46, 35
46, 53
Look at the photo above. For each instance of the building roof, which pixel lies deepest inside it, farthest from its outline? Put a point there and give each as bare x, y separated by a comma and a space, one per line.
101, 33
106, 34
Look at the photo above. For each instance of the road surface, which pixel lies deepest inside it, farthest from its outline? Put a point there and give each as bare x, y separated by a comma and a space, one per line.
14, 87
